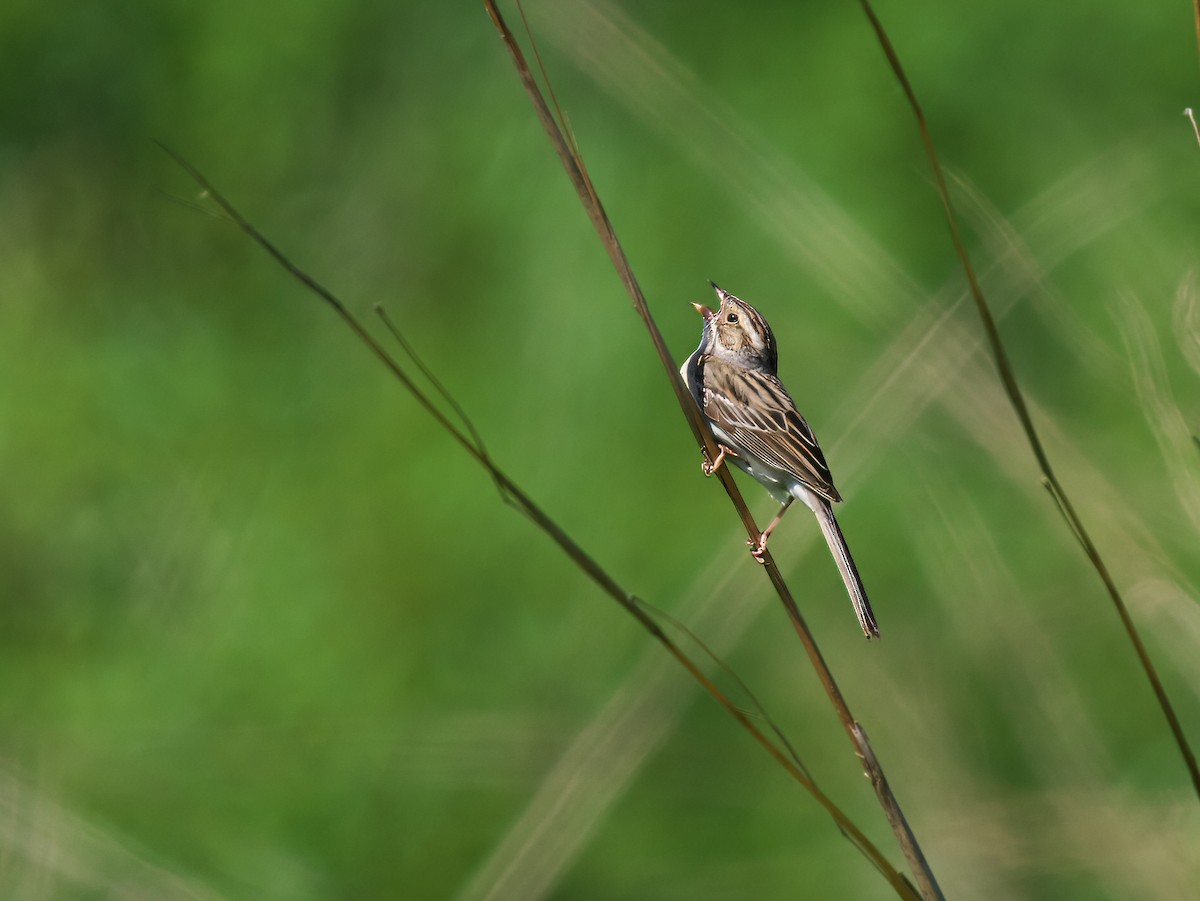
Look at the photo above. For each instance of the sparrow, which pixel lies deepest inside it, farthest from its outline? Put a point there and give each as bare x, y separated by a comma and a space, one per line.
732, 377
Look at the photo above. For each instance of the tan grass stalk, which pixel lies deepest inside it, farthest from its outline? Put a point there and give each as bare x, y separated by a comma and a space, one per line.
1013, 390
577, 172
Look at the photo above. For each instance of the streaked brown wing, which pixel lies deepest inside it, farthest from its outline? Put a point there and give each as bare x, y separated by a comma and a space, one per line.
756, 410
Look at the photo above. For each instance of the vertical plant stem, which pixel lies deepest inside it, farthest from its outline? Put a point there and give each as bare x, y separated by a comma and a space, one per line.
1017, 400
573, 163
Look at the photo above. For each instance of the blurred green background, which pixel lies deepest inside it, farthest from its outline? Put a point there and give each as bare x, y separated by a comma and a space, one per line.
267, 633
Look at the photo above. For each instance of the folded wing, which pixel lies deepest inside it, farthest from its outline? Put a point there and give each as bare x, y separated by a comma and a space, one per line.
754, 409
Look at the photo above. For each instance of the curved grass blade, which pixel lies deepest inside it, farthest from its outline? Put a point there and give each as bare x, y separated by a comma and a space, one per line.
1017, 399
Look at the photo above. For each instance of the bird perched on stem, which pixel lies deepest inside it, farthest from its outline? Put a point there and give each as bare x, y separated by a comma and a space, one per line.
732, 376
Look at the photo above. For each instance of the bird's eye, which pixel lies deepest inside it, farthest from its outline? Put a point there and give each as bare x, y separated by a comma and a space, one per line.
732, 317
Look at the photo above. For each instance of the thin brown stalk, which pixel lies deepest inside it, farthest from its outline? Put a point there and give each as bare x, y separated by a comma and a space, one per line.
472, 443
1017, 400
572, 162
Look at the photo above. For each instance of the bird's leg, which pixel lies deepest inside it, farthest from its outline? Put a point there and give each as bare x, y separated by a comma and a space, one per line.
758, 548
711, 466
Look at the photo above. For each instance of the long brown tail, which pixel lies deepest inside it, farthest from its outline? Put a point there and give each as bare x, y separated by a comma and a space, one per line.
841, 554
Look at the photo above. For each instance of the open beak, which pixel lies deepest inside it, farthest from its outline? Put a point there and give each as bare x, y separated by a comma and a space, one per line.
704, 311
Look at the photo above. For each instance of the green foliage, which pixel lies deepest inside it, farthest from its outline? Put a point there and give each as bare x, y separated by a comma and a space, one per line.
267, 633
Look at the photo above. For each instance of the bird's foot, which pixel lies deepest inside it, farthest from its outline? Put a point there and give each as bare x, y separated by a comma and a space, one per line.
708, 467
758, 549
